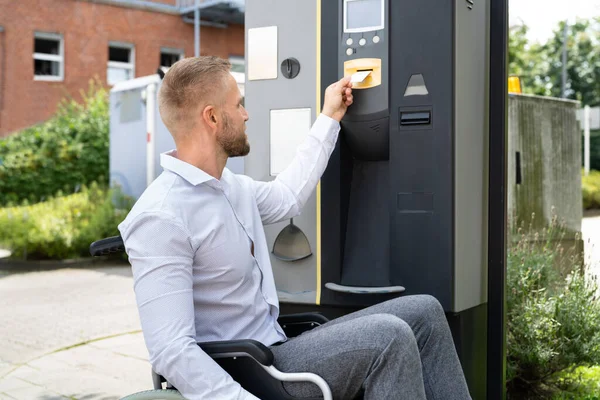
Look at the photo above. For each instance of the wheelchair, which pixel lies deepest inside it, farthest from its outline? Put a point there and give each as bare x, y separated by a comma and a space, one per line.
249, 362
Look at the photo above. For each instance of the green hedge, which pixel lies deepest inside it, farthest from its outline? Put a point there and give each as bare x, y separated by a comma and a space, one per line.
590, 186
64, 153
63, 227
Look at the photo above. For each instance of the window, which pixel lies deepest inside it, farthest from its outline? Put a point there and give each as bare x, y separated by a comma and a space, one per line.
169, 56
121, 62
237, 64
48, 57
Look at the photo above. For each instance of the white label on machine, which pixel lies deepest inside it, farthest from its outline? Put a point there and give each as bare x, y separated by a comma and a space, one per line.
360, 76
262, 53
288, 129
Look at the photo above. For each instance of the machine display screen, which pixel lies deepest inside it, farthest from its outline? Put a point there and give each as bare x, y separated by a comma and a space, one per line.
363, 15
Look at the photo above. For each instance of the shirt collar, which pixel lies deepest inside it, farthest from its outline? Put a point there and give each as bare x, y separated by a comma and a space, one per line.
194, 175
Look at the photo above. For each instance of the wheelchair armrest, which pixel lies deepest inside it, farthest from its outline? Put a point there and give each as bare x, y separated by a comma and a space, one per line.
306, 317
103, 247
236, 348
228, 349
296, 324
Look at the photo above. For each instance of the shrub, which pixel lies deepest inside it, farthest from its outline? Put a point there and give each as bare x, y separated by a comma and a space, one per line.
583, 383
553, 321
590, 186
63, 227
64, 153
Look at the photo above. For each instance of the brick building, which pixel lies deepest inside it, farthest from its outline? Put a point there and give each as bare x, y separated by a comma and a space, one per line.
52, 48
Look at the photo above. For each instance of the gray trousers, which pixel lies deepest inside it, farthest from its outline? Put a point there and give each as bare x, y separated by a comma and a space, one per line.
399, 349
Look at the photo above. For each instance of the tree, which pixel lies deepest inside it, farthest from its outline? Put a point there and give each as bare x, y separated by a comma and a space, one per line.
526, 60
583, 61
540, 65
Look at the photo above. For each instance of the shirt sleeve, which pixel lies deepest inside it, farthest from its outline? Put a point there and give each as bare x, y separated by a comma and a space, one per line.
286, 195
161, 254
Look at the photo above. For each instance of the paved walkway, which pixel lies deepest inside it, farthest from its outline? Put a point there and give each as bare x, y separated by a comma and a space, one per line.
46, 313
106, 369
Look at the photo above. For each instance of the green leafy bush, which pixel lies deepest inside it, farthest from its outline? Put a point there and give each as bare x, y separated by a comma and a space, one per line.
63, 227
67, 151
583, 384
553, 321
590, 186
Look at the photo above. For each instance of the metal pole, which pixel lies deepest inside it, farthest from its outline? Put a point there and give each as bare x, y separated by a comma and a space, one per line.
497, 193
564, 59
197, 29
586, 135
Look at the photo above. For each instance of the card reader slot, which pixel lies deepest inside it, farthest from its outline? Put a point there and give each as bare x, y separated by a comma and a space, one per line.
415, 118
365, 73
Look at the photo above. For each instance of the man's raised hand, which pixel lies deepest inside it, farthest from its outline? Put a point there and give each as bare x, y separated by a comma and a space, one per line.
338, 97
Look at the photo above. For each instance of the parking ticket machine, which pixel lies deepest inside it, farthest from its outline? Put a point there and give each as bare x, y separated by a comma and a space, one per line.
402, 206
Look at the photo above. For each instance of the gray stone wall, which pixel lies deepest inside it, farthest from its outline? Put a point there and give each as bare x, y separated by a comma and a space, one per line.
544, 133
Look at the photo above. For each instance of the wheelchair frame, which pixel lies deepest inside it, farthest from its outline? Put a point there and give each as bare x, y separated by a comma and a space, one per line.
237, 357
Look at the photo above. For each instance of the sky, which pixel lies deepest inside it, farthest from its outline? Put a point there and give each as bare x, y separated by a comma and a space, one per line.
542, 16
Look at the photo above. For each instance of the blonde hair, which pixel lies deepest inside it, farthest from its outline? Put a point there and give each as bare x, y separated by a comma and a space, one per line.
189, 84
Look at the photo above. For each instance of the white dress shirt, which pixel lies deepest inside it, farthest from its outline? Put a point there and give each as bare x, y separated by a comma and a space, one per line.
189, 239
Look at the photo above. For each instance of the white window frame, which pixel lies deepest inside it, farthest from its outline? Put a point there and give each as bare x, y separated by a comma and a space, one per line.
60, 57
172, 51
122, 65
237, 60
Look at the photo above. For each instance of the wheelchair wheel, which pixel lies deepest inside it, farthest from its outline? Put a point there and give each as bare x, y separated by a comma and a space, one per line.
155, 395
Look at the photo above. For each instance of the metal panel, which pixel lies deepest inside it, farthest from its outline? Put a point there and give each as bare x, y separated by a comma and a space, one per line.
296, 22
594, 117
471, 153
127, 168
496, 346
421, 156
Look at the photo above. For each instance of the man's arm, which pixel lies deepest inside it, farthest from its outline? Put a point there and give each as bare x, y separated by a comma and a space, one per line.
284, 197
161, 254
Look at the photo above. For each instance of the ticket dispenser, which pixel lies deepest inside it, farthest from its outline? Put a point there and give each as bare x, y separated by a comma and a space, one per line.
402, 207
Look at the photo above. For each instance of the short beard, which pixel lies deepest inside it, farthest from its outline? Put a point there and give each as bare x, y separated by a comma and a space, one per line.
234, 144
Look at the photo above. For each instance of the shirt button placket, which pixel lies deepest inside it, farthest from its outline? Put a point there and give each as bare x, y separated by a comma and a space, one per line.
253, 257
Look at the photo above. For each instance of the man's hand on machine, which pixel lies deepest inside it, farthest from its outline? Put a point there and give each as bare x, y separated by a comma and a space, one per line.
338, 97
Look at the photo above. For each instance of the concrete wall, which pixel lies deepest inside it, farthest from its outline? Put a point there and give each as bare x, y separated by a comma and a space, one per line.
545, 132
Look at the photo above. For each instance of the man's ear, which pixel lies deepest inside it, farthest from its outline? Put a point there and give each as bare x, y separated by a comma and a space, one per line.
210, 117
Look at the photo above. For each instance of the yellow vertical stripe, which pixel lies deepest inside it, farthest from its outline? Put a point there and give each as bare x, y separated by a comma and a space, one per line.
318, 111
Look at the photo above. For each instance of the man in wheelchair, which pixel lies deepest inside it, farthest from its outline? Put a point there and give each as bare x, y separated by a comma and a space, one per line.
202, 272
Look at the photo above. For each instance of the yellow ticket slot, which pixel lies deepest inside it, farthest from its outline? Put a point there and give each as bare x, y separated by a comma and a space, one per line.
365, 72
